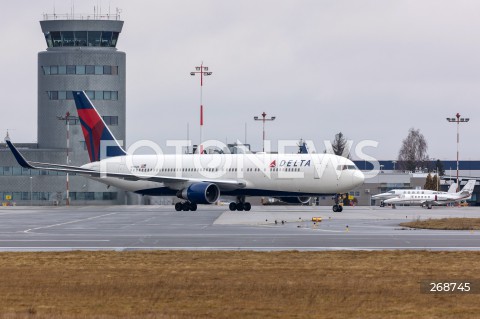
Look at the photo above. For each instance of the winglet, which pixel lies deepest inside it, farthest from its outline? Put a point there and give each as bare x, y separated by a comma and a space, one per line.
19, 157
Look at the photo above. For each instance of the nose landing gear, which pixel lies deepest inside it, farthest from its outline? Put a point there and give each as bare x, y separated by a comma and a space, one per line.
337, 207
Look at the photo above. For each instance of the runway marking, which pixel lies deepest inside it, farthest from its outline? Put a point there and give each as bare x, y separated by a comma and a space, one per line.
70, 222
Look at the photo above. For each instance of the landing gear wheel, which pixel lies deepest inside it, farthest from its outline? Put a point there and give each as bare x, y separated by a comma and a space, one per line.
240, 207
247, 206
186, 206
337, 208
178, 207
232, 206
193, 207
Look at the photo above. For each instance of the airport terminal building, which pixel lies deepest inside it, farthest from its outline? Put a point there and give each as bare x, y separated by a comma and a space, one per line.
80, 54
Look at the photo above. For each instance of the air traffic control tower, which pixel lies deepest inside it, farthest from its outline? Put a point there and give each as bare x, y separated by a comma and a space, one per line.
81, 55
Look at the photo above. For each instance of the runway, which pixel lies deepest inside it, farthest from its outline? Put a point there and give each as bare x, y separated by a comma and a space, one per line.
216, 228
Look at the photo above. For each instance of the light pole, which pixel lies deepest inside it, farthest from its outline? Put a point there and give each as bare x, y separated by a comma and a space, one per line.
436, 174
264, 119
203, 71
457, 119
31, 191
67, 119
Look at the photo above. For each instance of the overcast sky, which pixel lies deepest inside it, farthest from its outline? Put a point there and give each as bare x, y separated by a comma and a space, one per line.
368, 69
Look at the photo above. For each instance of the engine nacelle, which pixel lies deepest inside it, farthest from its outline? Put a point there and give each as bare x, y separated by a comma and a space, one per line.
200, 193
295, 200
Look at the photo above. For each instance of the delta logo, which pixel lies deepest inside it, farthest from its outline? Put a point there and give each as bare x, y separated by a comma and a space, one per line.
290, 163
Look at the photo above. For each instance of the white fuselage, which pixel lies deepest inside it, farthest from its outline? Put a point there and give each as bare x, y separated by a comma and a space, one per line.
261, 174
429, 199
394, 193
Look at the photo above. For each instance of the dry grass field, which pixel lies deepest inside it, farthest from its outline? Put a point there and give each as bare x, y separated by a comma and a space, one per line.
198, 284
446, 224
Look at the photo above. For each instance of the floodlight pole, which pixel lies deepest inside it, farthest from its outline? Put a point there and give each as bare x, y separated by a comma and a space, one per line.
203, 71
457, 119
264, 119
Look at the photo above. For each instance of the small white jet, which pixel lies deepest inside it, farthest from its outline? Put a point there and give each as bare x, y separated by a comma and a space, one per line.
202, 178
438, 198
394, 193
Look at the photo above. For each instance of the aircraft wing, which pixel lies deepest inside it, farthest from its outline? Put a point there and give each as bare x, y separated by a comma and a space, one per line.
226, 183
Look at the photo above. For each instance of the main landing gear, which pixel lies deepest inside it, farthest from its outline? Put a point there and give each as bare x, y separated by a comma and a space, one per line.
240, 205
185, 206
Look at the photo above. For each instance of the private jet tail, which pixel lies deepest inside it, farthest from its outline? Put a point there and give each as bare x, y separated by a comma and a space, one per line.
99, 139
468, 188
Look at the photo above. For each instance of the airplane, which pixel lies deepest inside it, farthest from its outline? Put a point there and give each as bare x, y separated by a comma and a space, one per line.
202, 178
439, 198
394, 193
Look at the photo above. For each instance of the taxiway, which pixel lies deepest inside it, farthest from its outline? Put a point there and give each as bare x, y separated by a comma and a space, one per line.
216, 228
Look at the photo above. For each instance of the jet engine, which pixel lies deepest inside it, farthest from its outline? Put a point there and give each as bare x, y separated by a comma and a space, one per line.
200, 193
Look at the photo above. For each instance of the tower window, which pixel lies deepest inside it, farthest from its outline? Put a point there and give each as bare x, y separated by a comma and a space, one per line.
81, 38
56, 39
68, 39
107, 69
106, 39
80, 69
90, 69
94, 38
92, 95
62, 69
110, 120
71, 69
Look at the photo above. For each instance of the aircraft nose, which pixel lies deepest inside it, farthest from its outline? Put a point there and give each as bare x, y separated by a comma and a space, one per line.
358, 178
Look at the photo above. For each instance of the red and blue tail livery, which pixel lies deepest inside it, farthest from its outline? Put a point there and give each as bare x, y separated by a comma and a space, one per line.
100, 141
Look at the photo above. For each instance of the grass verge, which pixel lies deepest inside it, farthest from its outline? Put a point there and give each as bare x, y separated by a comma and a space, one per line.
446, 224
211, 284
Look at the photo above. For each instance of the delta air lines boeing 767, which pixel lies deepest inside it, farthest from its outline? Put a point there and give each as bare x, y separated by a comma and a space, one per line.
203, 178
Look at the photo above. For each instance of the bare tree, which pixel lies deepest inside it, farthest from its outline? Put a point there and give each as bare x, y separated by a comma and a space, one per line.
341, 146
413, 153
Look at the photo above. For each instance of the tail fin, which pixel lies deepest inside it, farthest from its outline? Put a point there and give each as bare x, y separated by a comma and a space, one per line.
468, 188
100, 141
